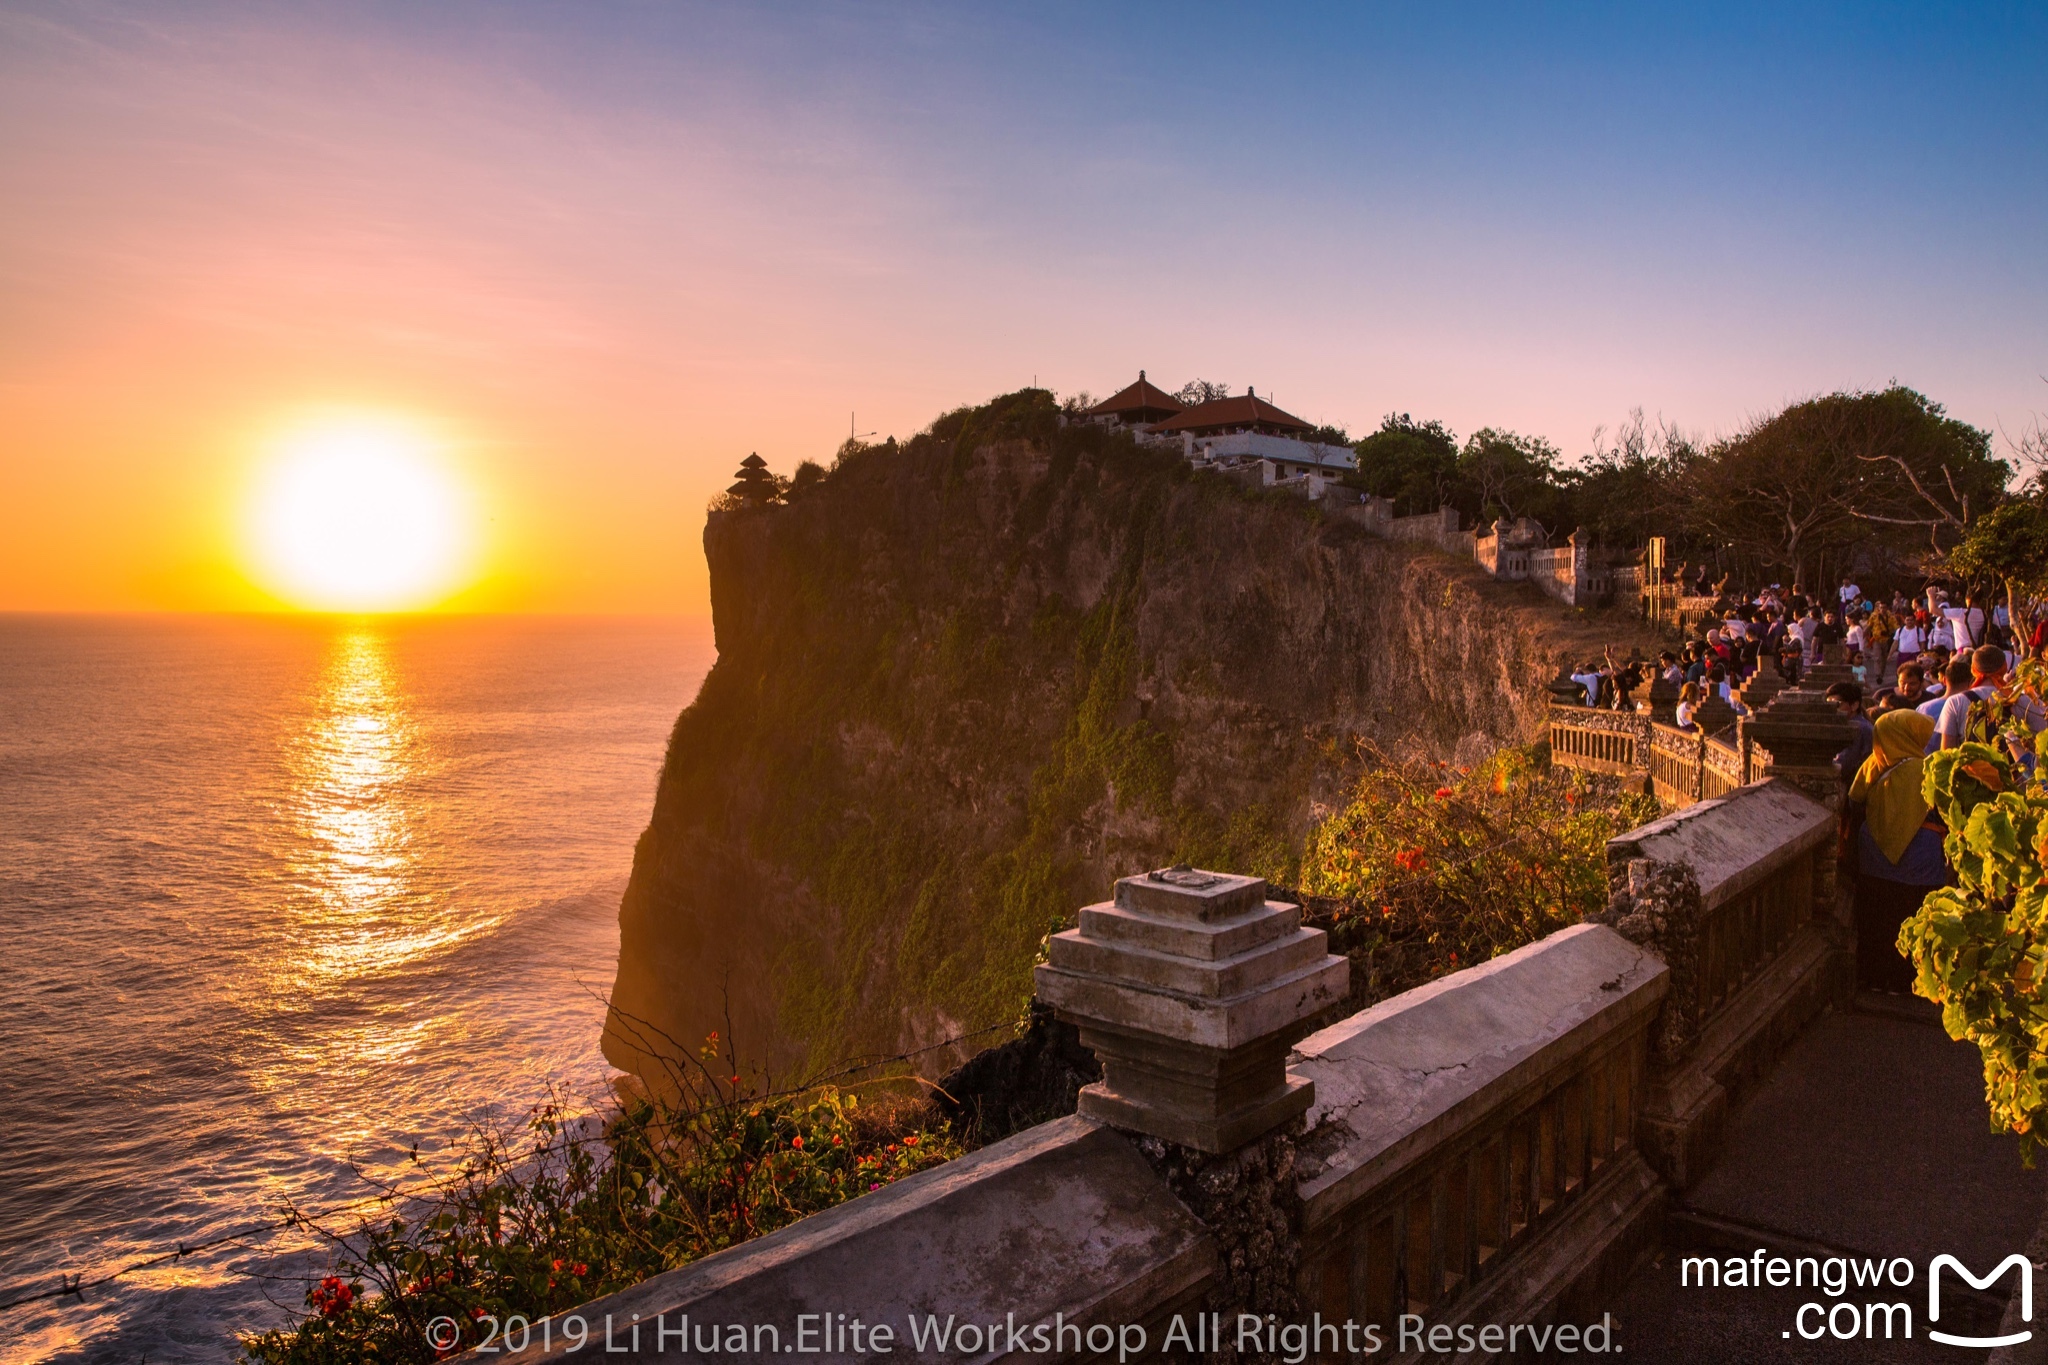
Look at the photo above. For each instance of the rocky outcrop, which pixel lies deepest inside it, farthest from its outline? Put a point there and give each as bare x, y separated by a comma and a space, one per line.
966, 682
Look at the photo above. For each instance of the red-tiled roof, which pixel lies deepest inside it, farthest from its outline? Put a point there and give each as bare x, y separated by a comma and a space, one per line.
1141, 398
1244, 411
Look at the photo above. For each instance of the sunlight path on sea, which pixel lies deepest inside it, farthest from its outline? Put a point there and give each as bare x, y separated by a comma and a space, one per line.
282, 898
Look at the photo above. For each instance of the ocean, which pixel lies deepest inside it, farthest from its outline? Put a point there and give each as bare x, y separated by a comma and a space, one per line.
281, 898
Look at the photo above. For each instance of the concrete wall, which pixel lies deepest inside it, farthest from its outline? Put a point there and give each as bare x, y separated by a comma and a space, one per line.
1570, 573
1257, 445
1496, 1146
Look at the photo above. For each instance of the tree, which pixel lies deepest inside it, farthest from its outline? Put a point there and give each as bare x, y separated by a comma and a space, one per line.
808, 474
1625, 491
1838, 479
1505, 475
1413, 463
1197, 391
756, 486
2008, 546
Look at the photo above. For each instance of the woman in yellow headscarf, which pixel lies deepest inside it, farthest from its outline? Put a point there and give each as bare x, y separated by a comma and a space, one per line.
1898, 848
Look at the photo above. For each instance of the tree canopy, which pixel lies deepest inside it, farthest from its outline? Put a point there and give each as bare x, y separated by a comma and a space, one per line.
1848, 482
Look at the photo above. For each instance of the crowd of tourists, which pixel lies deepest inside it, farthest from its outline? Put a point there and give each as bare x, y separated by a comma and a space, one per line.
1928, 673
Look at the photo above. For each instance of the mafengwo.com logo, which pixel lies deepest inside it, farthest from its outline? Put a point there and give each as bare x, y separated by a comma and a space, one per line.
2014, 1262
1858, 1291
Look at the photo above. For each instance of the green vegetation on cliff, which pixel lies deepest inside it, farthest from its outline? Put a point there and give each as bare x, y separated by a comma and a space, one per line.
965, 681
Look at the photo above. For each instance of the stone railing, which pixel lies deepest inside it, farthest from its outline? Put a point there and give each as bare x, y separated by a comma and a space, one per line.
1674, 764
1735, 894
1724, 763
1598, 741
1790, 732
1471, 1157
1493, 1147
1678, 766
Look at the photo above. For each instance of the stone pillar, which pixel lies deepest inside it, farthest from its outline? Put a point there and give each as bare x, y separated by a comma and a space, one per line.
1802, 732
1713, 715
1762, 686
1190, 987
1663, 703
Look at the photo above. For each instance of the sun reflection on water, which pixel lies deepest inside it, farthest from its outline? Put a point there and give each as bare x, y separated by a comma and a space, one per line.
355, 770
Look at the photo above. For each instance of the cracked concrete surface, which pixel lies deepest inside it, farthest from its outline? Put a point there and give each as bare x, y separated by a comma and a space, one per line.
1413, 1070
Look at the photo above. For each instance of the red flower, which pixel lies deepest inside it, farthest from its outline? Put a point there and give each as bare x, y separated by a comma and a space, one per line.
1411, 860
910, 1141
797, 1142
579, 1270
1443, 793
838, 1142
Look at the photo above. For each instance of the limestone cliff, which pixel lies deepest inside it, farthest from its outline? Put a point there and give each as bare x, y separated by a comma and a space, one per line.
964, 683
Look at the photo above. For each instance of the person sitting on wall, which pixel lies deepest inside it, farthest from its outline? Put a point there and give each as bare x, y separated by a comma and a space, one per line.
1898, 847
1689, 698
1625, 679
1588, 677
1674, 671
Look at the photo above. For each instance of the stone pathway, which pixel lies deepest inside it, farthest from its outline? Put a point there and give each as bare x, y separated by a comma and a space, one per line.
1869, 1140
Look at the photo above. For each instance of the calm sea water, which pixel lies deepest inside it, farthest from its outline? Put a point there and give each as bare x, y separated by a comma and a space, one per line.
278, 896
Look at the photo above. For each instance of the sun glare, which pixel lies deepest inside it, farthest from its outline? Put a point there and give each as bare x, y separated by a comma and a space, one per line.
359, 514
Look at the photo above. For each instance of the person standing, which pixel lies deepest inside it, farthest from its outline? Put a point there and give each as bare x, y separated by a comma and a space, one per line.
1911, 639
1966, 624
1986, 676
1877, 640
1848, 700
1898, 848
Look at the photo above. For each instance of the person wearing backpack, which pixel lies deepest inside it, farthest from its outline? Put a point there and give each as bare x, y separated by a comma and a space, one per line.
1974, 712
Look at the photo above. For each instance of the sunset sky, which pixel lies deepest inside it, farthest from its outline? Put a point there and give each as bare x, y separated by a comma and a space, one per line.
601, 251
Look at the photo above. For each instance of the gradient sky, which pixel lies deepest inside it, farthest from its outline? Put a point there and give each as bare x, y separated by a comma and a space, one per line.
610, 248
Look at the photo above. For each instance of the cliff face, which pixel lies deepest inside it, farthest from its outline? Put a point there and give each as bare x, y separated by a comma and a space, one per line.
965, 683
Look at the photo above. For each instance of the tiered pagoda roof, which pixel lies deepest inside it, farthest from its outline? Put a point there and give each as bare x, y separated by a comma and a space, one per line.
1140, 402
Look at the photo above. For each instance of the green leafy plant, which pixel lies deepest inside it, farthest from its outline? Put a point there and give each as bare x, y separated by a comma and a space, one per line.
1429, 868
1979, 947
533, 1223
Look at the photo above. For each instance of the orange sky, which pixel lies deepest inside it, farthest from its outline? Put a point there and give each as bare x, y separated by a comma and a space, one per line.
610, 251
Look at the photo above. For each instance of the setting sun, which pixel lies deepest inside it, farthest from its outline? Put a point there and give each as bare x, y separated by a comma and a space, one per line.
359, 513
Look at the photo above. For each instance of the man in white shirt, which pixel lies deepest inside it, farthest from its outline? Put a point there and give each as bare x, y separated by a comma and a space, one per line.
1911, 640
1966, 624
1850, 592
1987, 668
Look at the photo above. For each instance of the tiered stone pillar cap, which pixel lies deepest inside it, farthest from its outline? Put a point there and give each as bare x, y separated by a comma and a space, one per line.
1190, 986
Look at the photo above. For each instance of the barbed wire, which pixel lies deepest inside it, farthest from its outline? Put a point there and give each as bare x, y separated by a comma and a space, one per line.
75, 1286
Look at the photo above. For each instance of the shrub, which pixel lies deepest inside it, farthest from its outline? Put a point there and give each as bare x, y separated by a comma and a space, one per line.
1429, 868
569, 1210
1979, 947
